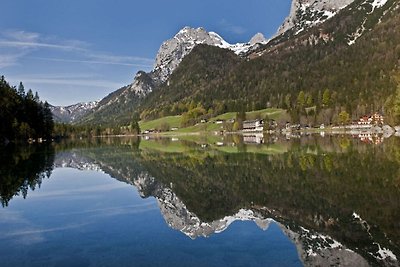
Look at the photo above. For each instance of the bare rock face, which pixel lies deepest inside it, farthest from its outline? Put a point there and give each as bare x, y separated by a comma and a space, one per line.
170, 55
308, 13
174, 50
142, 84
259, 38
314, 249
72, 113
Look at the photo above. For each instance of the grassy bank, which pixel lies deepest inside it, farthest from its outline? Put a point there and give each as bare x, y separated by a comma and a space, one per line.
210, 125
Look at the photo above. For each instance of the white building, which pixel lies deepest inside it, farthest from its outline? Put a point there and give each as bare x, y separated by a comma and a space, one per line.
253, 126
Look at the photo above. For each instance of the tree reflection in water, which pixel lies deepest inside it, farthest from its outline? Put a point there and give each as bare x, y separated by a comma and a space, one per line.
338, 199
23, 168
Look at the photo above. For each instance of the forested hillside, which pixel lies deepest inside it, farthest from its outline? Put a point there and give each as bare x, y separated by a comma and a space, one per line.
22, 114
318, 74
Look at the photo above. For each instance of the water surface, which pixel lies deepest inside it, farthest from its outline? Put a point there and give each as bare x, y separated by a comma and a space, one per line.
209, 201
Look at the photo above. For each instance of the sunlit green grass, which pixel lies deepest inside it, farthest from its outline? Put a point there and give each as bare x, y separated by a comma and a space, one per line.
172, 121
210, 126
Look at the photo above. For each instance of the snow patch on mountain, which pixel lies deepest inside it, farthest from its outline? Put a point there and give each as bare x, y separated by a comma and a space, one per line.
178, 217
305, 14
70, 114
169, 56
378, 4
73, 159
375, 4
172, 51
314, 249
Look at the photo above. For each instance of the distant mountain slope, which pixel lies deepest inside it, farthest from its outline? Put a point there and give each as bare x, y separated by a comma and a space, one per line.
119, 106
72, 113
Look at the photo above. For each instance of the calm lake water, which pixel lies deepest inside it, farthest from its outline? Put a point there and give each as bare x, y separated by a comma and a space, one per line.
202, 201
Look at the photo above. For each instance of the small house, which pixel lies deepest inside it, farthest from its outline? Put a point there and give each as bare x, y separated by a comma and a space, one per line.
253, 126
377, 118
365, 120
374, 119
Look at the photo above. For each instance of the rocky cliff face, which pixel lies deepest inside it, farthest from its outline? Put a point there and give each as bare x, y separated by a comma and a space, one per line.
305, 14
142, 84
345, 21
314, 249
70, 114
74, 160
172, 51
169, 56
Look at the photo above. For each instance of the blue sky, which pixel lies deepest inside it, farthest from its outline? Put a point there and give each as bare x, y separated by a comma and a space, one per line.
72, 51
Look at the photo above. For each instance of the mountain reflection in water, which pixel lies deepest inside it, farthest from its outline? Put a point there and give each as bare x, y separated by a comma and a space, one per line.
336, 198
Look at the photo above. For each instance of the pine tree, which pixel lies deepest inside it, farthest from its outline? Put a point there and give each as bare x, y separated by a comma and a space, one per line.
301, 100
21, 89
326, 98
135, 128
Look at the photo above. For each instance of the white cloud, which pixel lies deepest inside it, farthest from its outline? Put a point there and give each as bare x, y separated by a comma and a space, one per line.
21, 36
227, 26
31, 40
121, 62
81, 191
34, 231
120, 59
7, 60
15, 45
27, 45
71, 81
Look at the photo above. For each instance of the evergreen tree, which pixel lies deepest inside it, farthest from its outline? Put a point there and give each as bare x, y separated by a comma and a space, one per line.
23, 116
135, 128
301, 100
326, 98
21, 89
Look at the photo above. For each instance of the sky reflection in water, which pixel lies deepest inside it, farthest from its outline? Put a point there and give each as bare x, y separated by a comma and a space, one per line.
86, 218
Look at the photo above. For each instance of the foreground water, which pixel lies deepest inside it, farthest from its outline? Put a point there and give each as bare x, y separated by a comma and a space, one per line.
207, 201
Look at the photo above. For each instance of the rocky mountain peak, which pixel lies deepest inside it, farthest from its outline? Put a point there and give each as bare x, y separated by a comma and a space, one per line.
174, 50
142, 84
308, 13
72, 113
259, 38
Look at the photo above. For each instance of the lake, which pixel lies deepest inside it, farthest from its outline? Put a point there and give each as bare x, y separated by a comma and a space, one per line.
202, 201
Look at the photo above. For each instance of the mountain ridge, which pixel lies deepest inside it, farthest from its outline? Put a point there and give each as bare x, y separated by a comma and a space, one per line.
314, 247
309, 13
314, 61
72, 113
329, 35
169, 56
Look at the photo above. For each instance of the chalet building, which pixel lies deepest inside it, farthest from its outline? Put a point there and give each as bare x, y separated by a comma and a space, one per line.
374, 119
365, 120
253, 126
377, 118
256, 138
371, 138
